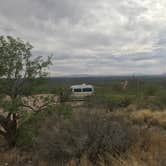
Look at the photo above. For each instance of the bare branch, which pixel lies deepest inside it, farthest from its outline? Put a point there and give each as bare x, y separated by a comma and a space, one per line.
37, 109
27, 106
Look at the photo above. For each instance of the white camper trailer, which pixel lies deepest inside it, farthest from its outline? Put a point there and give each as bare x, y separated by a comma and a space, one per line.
82, 90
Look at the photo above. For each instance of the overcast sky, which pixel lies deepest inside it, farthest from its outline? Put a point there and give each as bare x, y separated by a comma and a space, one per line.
98, 37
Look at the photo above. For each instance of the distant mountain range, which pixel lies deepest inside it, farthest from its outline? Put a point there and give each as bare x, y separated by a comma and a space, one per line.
89, 75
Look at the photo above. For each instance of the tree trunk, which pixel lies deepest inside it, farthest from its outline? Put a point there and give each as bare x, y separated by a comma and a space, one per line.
10, 138
10, 128
12, 131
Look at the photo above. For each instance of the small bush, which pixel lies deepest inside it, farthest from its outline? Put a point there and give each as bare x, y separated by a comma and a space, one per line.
29, 129
115, 102
64, 94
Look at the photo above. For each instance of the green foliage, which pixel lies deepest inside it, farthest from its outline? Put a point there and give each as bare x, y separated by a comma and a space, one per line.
19, 73
29, 129
151, 90
119, 101
26, 135
18, 67
31, 123
110, 102
12, 106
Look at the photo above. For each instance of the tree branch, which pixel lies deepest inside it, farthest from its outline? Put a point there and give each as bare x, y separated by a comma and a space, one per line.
38, 109
27, 106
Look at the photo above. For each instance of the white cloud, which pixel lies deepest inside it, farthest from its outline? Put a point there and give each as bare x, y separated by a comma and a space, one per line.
91, 37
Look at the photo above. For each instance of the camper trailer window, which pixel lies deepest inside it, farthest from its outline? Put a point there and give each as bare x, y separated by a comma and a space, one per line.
77, 90
87, 89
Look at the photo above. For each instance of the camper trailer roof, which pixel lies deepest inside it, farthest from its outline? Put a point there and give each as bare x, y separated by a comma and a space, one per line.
81, 86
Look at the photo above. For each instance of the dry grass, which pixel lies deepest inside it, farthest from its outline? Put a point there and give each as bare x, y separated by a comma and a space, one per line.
154, 156
14, 157
150, 150
144, 117
157, 118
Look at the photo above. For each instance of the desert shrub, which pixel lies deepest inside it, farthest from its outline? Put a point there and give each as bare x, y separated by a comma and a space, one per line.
114, 102
31, 124
110, 102
150, 150
26, 136
86, 132
150, 90
29, 128
151, 102
64, 94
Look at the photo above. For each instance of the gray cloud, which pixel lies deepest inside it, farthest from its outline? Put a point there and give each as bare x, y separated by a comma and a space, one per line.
91, 37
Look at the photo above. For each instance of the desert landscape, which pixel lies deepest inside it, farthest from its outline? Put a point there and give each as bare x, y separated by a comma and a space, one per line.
115, 126
82, 83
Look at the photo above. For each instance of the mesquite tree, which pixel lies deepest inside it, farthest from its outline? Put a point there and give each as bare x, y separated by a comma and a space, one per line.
19, 69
